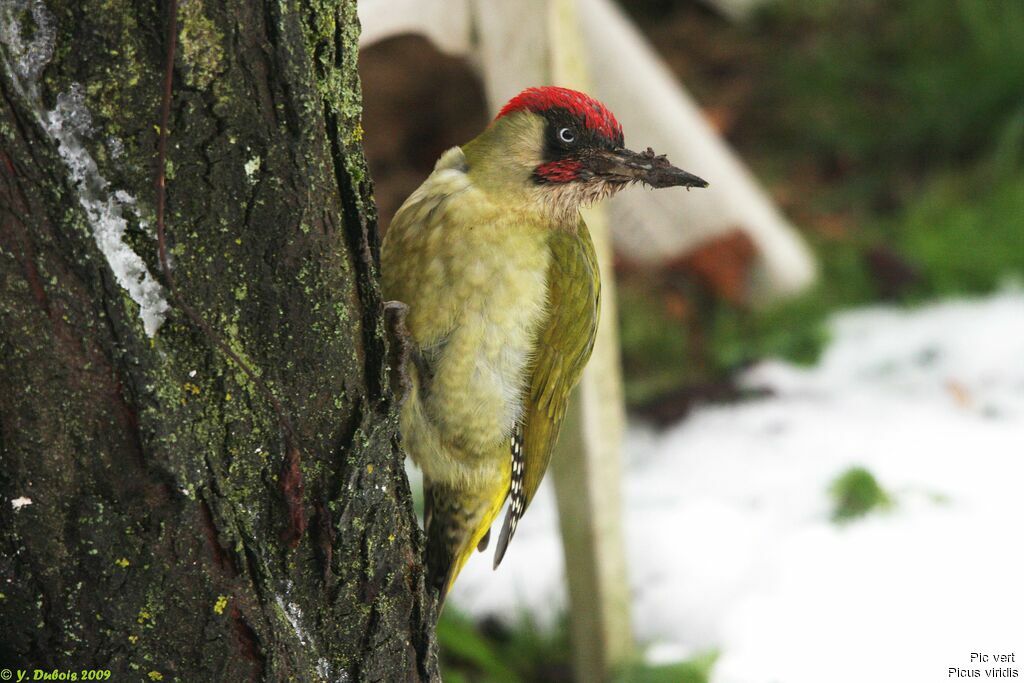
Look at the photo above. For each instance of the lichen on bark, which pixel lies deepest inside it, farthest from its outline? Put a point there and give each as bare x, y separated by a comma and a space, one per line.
158, 541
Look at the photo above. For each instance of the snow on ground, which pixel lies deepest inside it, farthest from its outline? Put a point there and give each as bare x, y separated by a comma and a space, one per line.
729, 538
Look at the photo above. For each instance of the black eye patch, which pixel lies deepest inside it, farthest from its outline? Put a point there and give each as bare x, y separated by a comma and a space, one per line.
566, 134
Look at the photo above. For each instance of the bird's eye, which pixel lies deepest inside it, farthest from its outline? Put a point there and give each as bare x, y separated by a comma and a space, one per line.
567, 135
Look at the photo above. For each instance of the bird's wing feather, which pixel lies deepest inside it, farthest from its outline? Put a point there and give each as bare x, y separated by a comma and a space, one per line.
408, 273
564, 344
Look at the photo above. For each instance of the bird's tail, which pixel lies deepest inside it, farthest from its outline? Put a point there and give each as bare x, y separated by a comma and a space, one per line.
455, 526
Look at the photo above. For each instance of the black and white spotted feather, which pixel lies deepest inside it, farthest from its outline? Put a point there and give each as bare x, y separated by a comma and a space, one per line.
516, 493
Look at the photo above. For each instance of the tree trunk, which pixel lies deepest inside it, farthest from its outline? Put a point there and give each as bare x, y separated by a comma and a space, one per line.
200, 481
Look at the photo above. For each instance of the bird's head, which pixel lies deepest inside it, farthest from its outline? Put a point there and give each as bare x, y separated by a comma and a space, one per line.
568, 150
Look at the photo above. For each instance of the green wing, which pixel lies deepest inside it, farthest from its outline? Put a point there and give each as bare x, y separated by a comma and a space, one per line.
563, 349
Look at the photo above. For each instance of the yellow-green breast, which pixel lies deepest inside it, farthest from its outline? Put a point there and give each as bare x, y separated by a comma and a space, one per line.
474, 275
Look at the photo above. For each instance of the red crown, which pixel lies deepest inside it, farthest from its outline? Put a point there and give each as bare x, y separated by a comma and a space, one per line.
594, 114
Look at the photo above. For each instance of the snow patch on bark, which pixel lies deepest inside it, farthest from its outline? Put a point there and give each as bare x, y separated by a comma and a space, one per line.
104, 209
20, 502
294, 615
25, 58
30, 54
323, 668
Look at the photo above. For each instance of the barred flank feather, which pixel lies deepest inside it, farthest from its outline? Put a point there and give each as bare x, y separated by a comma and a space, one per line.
455, 525
445, 526
517, 504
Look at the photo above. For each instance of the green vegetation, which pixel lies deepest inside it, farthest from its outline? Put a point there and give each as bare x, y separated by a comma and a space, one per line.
891, 86
648, 339
491, 652
966, 233
696, 670
855, 493
892, 133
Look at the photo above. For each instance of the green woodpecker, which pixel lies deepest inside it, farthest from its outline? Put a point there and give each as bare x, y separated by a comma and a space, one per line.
498, 272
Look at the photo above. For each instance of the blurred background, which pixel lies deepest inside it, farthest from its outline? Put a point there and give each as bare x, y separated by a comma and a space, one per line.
826, 486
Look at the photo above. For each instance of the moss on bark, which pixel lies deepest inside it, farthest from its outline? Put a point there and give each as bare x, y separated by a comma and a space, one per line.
156, 543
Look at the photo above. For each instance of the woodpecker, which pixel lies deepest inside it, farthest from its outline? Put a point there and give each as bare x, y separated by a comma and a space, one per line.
496, 278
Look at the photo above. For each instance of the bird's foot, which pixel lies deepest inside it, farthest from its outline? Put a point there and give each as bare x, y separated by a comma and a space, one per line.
400, 348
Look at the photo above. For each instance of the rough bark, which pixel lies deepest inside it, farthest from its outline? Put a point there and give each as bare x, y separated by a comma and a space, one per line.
171, 532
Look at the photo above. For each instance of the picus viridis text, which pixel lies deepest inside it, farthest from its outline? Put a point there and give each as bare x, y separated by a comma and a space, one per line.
498, 272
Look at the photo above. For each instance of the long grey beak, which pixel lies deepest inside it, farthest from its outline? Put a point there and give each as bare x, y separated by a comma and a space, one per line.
625, 165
